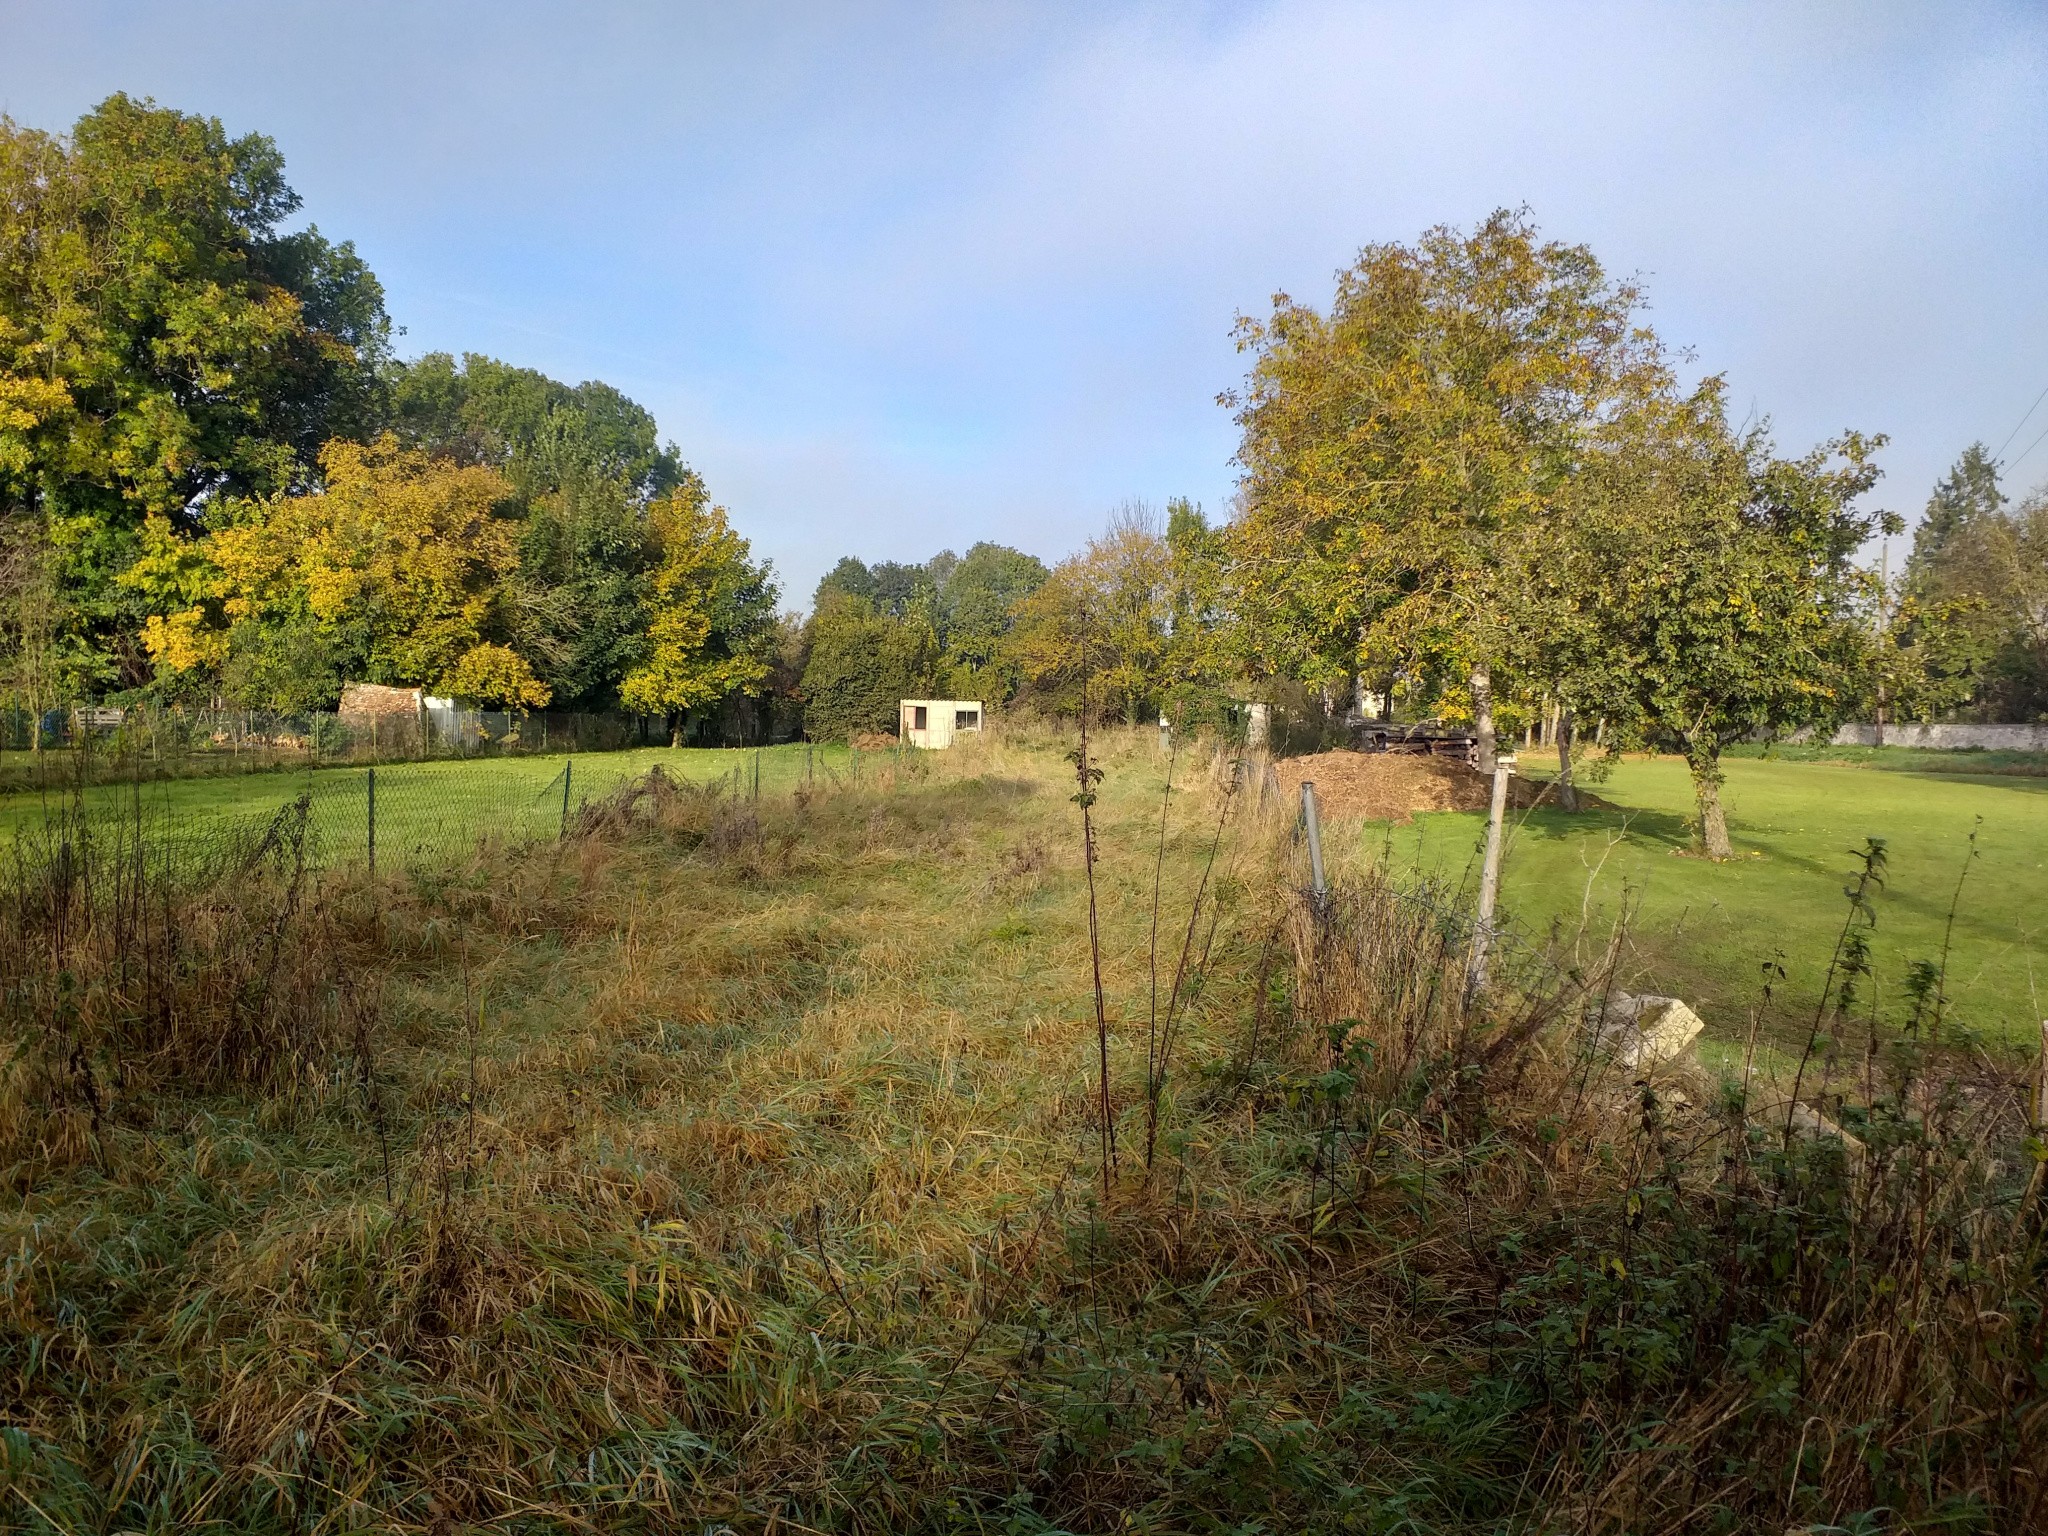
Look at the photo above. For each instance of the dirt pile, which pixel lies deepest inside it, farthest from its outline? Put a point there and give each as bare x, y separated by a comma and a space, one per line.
1391, 786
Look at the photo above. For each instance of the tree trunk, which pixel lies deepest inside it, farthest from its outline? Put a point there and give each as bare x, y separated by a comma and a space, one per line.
1705, 763
1567, 793
1482, 715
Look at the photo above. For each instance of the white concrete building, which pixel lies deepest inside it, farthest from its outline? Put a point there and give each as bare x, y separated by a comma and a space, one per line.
934, 723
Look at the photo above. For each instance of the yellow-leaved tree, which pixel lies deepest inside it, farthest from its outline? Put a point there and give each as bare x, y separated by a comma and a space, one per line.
712, 613
396, 571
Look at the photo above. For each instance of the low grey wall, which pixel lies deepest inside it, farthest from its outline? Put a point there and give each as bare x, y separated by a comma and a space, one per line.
1950, 738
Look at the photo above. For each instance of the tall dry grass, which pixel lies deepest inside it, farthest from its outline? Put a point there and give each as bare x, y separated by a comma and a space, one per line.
738, 1164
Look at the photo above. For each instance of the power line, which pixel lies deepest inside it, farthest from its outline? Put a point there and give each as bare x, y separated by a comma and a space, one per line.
2015, 432
2043, 437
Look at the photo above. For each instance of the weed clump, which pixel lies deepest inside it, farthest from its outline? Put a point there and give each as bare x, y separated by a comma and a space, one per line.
137, 968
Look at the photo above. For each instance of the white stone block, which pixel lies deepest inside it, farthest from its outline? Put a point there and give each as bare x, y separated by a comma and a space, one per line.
1644, 1032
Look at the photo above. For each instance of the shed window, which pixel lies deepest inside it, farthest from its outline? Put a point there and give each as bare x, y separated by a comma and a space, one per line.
966, 719
917, 717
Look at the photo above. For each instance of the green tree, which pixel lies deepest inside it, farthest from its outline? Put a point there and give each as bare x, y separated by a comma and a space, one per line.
1933, 653
163, 342
901, 590
35, 672
541, 434
849, 578
586, 463
1973, 620
862, 664
1987, 590
1969, 492
1716, 591
2019, 543
981, 597
1203, 650
1391, 446
579, 602
1129, 625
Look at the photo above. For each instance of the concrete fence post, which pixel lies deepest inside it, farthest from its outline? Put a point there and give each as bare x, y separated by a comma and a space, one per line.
2041, 1083
1489, 877
1315, 844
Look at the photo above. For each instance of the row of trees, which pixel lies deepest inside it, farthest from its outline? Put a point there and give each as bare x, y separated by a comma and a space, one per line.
1135, 623
1474, 486
1477, 477
217, 482
1477, 487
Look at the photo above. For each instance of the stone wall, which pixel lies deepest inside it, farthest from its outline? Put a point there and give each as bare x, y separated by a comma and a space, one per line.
1948, 738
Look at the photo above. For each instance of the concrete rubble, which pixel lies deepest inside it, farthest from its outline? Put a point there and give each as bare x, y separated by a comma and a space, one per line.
1643, 1032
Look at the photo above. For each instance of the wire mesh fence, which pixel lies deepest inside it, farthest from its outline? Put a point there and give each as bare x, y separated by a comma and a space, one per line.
387, 816
119, 742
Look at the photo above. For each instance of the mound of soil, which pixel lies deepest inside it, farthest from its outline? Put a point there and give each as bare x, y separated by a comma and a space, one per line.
1392, 786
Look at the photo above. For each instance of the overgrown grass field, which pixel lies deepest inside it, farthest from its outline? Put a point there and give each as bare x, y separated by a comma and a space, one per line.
736, 1165
1708, 930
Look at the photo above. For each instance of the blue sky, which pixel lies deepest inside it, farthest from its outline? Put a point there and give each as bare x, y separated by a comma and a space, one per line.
904, 277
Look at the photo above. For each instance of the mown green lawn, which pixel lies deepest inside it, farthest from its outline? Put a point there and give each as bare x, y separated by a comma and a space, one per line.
1706, 931
421, 808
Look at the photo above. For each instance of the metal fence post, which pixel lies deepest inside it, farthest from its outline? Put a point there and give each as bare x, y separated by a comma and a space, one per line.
373, 820
1489, 877
568, 766
757, 775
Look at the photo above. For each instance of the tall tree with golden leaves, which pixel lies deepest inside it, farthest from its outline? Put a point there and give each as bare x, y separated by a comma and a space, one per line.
713, 613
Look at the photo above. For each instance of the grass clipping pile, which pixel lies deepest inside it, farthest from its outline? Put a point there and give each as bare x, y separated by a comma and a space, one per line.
1390, 786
